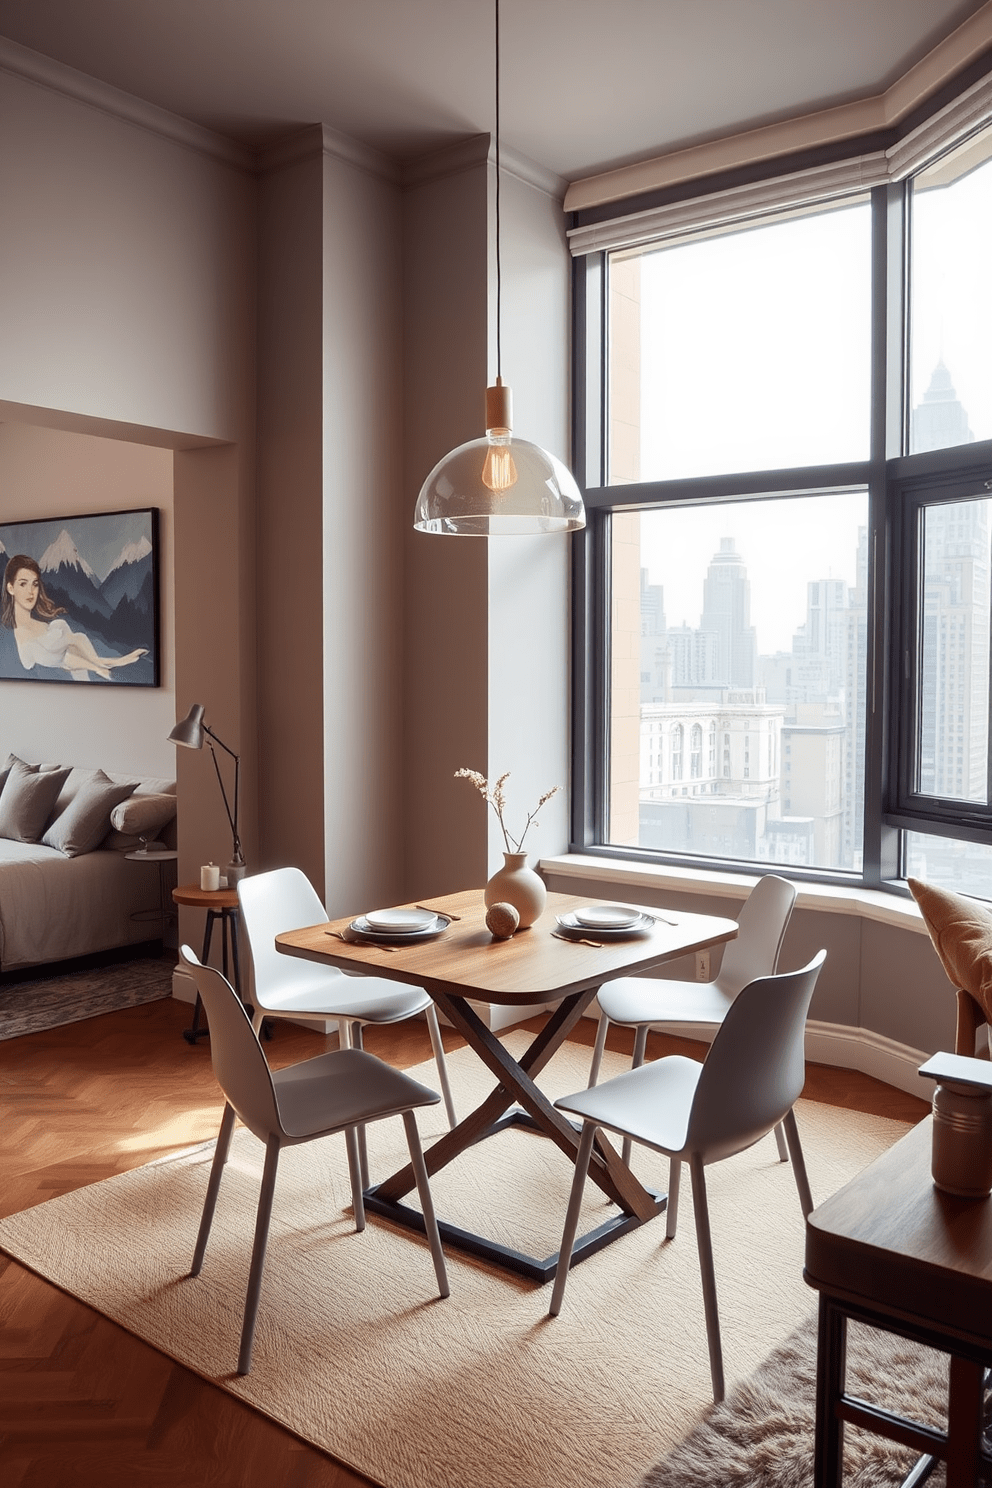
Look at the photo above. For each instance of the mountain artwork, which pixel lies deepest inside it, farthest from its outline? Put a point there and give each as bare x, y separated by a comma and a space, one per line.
79, 599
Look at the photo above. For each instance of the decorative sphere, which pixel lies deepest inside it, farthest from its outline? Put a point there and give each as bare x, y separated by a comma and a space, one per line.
502, 920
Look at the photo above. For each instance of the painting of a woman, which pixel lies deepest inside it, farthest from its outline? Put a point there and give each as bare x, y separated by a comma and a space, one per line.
43, 639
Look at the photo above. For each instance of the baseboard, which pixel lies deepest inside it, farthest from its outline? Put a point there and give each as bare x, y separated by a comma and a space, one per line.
843, 1047
835, 1044
183, 986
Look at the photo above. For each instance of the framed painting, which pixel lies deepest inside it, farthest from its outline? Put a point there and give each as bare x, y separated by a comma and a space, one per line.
79, 599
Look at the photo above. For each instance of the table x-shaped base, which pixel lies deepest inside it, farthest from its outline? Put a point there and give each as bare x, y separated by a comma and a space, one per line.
517, 1088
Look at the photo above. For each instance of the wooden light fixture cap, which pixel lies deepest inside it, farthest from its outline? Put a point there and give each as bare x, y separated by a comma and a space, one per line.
499, 407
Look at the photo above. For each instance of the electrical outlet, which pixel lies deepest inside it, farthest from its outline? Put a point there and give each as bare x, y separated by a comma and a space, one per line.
702, 966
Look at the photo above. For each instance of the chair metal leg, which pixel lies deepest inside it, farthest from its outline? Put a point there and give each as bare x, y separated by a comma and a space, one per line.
350, 1037
213, 1187
672, 1207
705, 1246
781, 1144
262, 1218
798, 1163
442, 1068
640, 1049
597, 1053
358, 1185
426, 1202
582, 1159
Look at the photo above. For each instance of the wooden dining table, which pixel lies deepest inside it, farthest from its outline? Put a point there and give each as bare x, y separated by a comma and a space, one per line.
466, 964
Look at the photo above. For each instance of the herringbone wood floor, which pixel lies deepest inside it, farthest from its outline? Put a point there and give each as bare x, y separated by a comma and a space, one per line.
84, 1403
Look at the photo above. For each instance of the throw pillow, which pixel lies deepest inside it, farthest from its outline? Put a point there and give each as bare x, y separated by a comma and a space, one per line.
961, 931
85, 821
143, 816
27, 799
12, 759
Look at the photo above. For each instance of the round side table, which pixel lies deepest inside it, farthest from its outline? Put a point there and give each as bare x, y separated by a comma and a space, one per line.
165, 912
220, 904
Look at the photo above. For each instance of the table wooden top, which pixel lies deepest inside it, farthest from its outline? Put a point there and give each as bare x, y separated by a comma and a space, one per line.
531, 967
193, 895
891, 1240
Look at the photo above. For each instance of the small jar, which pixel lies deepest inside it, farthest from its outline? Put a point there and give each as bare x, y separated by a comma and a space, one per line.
962, 1140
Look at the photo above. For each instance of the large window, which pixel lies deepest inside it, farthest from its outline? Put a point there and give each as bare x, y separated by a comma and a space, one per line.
752, 625
749, 350
785, 634
951, 285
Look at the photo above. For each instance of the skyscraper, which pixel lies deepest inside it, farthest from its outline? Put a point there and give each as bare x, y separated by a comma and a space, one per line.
727, 616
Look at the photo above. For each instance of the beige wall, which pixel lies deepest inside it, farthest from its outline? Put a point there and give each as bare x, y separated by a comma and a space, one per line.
290, 515
127, 311
446, 630
366, 520
50, 473
125, 267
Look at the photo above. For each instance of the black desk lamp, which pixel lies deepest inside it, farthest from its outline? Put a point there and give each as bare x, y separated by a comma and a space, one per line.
189, 732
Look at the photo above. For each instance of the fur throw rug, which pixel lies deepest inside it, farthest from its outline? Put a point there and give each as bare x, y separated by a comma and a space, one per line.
761, 1436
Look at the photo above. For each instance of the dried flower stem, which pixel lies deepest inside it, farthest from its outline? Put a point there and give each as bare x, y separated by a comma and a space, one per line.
496, 797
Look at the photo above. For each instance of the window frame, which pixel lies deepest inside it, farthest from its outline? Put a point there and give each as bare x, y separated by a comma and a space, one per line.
894, 481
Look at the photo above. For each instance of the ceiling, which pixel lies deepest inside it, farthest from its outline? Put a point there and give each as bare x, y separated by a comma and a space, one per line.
587, 84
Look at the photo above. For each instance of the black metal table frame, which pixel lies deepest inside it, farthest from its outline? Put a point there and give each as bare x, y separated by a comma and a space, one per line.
519, 1102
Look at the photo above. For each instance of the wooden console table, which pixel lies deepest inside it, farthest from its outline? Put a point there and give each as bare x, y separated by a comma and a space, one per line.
892, 1251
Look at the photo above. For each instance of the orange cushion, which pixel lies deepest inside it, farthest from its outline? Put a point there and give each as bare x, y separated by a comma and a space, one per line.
961, 931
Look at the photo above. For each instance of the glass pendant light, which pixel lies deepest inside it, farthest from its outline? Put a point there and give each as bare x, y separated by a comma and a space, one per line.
498, 486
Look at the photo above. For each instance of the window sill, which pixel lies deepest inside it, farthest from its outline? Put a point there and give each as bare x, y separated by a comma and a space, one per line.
865, 904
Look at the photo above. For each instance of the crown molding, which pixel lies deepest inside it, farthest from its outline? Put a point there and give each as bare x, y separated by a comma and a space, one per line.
450, 160
319, 140
33, 67
802, 132
476, 150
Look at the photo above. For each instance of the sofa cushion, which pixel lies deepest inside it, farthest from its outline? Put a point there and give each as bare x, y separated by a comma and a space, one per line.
144, 815
27, 799
961, 931
85, 821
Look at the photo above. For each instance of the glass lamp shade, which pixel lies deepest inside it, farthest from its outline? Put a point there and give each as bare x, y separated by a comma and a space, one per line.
498, 487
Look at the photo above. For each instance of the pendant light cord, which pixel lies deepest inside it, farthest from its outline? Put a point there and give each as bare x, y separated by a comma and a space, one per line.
499, 277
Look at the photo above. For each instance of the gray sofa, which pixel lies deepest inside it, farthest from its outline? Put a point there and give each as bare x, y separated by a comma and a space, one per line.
60, 897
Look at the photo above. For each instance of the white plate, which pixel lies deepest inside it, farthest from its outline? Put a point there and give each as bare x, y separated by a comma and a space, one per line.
607, 916
360, 929
400, 921
573, 927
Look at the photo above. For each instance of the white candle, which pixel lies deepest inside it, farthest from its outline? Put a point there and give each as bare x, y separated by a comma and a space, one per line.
210, 877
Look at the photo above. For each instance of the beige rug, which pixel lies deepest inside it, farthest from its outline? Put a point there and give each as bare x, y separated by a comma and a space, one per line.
355, 1352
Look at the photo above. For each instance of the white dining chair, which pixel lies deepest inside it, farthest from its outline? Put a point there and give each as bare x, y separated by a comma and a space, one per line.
288, 987
641, 1002
336, 1092
701, 1113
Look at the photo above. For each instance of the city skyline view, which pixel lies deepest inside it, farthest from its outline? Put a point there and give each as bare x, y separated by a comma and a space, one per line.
753, 687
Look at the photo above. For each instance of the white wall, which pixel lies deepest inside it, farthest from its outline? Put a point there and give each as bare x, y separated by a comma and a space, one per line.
529, 634
50, 473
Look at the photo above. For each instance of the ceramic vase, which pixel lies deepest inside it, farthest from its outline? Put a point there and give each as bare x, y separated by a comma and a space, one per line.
520, 886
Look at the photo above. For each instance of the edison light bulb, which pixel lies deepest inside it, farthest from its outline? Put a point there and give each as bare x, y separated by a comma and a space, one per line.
499, 472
